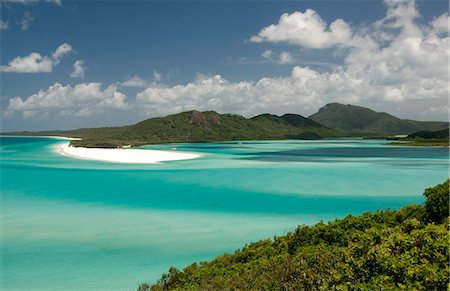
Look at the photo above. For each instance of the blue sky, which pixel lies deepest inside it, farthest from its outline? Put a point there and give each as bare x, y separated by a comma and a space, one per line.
139, 59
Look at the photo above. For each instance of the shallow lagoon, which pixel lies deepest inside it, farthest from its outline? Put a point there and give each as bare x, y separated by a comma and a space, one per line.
86, 225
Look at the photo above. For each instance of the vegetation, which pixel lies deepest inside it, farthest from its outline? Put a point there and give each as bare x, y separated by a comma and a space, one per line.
195, 126
426, 138
438, 134
422, 142
333, 120
364, 121
386, 250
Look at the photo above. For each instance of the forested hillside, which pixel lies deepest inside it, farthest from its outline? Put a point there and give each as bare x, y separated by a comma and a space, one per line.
361, 120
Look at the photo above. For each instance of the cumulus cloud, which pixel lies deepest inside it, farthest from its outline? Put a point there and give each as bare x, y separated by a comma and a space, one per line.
134, 81
35, 63
391, 63
285, 58
78, 69
84, 99
408, 66
62, 50
306, 29
440, 24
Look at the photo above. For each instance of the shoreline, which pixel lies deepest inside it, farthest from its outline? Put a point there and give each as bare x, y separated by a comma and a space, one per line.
44, 136
123, 155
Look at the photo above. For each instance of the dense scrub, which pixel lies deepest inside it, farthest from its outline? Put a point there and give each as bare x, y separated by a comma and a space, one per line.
385, 250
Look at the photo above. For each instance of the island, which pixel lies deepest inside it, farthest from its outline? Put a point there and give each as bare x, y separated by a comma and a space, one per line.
334, 120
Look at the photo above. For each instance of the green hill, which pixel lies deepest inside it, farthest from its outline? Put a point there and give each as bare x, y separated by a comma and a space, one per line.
360, 120
196, 126
333, 120
386, 250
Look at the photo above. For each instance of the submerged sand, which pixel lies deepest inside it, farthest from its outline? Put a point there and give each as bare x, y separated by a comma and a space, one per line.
124, 155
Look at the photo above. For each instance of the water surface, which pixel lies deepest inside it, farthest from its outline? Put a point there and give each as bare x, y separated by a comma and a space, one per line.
69, 224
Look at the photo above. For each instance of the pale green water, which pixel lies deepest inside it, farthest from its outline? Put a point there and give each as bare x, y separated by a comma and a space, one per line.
84, 225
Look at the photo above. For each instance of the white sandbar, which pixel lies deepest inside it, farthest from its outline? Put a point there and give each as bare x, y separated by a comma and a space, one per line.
127, 155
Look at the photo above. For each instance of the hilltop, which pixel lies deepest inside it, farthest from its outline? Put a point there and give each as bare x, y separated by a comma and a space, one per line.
361, 120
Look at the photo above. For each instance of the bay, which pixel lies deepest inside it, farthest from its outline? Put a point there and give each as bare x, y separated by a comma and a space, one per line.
71, 224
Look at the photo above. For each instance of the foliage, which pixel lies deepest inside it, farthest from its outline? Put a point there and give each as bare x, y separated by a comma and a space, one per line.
437, 203
438, 134
422, 142
355, 119
425, 138
384, 250
333, 120
195, 126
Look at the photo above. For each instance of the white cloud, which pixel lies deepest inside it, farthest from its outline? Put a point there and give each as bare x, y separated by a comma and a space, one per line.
306, 29
134, 81
409, 66
156, 76
285, 58
440, 24
84, 99
26, 21
390, 63
62, 50
267, 54
78, 69
4, 25
35, 63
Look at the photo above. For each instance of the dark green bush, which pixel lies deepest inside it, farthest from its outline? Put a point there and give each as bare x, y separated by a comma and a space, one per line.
385, 250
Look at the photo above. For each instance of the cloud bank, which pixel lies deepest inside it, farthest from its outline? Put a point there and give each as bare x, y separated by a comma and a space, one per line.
391, 61
85, 99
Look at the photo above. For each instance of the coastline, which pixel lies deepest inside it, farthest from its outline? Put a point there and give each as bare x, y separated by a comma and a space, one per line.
123, 155
44, 136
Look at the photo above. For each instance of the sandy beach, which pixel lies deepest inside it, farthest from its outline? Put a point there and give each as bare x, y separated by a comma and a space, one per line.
42, 136
127, 155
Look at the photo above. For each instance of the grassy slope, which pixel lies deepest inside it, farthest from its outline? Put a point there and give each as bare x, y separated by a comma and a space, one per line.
355, 119
385, 250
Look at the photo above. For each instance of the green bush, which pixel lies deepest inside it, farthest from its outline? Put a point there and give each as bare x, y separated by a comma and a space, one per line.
436, 205
385, 250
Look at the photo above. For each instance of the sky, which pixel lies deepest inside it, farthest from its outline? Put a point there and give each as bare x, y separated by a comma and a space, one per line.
69, 64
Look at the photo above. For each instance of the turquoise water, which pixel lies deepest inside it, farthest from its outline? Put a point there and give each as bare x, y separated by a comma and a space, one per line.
69, 224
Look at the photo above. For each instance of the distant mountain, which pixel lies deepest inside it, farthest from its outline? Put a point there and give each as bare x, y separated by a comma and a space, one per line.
356, 120
196, 126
